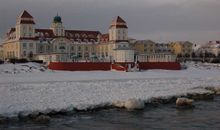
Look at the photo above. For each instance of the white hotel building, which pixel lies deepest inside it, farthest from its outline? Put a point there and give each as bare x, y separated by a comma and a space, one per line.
58, 44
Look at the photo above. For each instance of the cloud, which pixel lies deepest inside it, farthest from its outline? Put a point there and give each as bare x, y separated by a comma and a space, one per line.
169, 19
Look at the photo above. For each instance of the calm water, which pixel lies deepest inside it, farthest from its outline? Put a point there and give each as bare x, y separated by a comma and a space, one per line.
205, 116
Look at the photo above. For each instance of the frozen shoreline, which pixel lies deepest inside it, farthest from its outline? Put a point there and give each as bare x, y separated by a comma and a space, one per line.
55, 91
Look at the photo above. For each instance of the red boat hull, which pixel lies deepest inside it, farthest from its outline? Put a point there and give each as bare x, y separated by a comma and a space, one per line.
106, 66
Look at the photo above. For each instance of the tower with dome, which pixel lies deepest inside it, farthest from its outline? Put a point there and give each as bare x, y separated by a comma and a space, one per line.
57, 26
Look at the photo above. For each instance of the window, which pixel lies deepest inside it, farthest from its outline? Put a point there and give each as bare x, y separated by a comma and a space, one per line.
93, 49
80, 55
79, 48
67, 47
31, 45
24, 29
55, 48
72, 48
77, 35
13, 54
48, 48
24, 53
41, 49
86, 54
62, 48
79, 40
86, 48
24, 45
30, 28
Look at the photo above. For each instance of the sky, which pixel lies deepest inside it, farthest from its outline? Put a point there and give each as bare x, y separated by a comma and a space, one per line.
159, 20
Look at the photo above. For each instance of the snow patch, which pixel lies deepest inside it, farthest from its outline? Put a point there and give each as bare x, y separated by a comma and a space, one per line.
65, 91
21, 68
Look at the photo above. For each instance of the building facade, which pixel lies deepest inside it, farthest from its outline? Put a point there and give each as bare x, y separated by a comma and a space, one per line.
58, 44
184, 48
53, 44
1, 53
144, 47
212, 47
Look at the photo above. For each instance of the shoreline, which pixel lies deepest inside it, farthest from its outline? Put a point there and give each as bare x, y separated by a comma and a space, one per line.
70, 111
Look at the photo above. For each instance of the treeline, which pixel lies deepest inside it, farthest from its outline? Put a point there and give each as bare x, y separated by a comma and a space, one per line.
14, 61
202, 57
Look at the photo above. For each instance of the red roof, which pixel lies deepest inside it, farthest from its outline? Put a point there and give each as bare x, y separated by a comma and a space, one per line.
121, 41
11, 30
119, 26
118, 23
25, 14
82, 34
28, 38
120, 20
47, 33
105, 37
27, 22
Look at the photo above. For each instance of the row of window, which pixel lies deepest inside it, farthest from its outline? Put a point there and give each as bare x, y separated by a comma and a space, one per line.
119, 38
146, 45
63, 48
145, 50
27, 45
11, 54
80, 55
27, 28
78, 35
156, 57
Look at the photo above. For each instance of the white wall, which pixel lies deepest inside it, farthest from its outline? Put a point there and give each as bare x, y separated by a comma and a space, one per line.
123, 55
157, 58
118, 34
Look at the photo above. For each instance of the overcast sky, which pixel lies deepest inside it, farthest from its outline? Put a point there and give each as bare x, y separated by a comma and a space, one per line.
159, 20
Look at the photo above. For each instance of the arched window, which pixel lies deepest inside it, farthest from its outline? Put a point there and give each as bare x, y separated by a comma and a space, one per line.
47, 34
77, 35
24, 53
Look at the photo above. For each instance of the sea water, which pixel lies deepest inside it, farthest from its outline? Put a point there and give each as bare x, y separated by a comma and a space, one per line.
204, 116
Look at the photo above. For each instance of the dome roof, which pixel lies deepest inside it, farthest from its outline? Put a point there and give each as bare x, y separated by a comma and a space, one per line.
57, 19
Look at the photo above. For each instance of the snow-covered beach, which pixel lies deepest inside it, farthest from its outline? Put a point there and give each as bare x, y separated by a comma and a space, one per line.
33, 88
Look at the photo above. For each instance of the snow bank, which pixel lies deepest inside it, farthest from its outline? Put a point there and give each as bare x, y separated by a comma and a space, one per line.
57, 91
203, 66
21, 68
